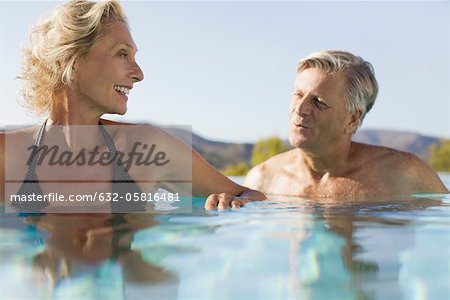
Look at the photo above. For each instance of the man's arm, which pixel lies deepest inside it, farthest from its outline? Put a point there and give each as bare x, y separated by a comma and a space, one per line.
255, 177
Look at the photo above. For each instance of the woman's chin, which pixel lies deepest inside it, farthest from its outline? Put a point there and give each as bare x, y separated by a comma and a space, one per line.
119, 112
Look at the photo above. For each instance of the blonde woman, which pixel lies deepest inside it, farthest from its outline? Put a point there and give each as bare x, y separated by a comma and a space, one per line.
80, 64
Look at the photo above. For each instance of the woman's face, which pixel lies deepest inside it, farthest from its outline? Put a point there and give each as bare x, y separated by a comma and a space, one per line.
106, 74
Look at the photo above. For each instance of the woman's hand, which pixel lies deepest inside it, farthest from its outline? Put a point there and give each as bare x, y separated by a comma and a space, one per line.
224, 201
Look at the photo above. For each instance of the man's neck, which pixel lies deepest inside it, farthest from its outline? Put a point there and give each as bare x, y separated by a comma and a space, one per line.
333, 161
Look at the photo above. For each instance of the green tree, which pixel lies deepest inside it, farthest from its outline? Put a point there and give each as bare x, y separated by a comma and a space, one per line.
266, 148
241, 169
440, 156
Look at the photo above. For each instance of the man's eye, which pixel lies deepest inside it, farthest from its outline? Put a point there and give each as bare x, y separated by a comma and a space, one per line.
319, 104
298, 95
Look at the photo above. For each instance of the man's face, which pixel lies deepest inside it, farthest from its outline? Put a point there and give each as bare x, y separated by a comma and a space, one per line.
318, 112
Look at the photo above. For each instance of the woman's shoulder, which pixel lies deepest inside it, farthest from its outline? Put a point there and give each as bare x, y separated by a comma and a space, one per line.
2, 146
145, 133
112, 123
17, 138
15, 144
129, 129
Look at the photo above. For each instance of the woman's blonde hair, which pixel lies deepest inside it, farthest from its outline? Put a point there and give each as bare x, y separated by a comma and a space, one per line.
54, 45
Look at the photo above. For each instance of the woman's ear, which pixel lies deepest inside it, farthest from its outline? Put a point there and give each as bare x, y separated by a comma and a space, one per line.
75, 64
74, 68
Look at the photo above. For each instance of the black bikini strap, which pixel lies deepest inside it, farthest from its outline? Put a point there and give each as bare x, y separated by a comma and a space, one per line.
37, 144
108, 139
41, 132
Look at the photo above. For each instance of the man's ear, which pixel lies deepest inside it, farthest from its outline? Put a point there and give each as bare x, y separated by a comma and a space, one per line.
353, 122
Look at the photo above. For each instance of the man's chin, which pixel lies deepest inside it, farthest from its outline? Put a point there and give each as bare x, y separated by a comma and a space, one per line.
298, 142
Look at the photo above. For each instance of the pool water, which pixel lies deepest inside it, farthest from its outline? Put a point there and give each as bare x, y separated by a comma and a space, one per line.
285, 248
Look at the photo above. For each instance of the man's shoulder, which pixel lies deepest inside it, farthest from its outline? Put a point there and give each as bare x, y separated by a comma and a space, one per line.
276, 162
382, 155
259, 175
401, 167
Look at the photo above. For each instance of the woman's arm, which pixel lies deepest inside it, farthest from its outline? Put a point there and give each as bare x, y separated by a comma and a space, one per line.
186, 166
221, 191
2, 168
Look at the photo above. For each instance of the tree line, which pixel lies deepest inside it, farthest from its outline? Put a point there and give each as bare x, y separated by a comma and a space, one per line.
439, 156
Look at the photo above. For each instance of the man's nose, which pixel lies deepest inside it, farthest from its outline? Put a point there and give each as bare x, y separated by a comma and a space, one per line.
302, 107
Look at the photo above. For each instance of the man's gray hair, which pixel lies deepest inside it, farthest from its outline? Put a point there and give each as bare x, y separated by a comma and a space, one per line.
362, 87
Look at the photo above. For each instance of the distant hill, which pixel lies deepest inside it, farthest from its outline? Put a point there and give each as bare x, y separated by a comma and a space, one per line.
404, 141
221, 154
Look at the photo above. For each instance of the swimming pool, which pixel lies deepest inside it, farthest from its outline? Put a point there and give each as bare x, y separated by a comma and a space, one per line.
277, 249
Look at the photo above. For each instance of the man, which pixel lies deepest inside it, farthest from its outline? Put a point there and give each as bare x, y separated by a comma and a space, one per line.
333, 92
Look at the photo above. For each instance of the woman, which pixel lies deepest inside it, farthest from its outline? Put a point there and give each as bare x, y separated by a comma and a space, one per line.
79, 65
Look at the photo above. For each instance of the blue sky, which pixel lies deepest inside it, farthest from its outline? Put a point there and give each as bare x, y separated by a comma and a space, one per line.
227, 68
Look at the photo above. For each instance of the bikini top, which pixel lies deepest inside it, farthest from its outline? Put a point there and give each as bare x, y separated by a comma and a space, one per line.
122, 183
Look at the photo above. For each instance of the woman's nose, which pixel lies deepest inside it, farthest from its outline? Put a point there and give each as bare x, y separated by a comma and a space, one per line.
136, 73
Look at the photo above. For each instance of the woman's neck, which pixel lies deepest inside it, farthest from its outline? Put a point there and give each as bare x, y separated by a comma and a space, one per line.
66, 111
69, 120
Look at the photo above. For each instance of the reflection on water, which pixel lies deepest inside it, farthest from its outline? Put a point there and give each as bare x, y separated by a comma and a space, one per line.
278, 249
74, 255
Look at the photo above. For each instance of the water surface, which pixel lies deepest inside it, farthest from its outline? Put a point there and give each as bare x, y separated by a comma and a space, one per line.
283, 248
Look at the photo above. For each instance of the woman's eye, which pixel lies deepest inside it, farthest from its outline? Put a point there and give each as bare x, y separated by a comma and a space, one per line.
123, 54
